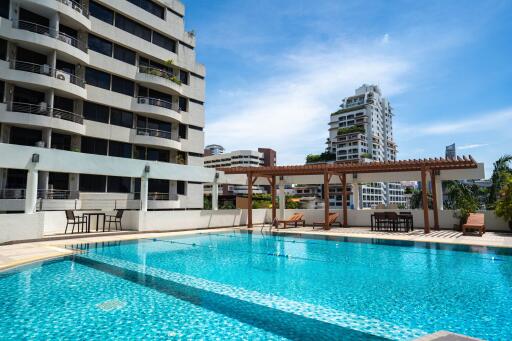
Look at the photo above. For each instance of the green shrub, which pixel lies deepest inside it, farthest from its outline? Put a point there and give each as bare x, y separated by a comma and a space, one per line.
504, 202
353, 129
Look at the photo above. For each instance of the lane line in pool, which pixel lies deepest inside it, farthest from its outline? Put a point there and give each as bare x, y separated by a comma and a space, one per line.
307, 310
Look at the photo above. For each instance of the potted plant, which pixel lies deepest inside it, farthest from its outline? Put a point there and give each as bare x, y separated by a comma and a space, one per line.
504, 203
462, 200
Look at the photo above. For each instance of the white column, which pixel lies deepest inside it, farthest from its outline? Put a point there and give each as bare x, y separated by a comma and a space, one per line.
355, 195
282, 199
144, 193
439, 192
215, 195
31, 191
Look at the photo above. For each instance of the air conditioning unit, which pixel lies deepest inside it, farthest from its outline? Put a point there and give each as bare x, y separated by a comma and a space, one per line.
43, 106
45, 69
62, 75
142, 100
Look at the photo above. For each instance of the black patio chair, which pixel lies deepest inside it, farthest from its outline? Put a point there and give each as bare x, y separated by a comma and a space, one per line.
73, 220
116, 219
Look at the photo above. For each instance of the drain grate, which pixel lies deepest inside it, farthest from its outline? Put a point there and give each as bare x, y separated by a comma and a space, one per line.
111, 305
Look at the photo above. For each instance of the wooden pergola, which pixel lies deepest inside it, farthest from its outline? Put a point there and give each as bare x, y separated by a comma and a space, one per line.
340, 170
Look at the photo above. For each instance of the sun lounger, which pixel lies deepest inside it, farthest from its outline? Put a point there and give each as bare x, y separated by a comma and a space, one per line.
295, 219
332, 221
475, 223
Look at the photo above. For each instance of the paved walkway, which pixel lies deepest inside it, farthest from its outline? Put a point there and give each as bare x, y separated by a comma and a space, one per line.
54, 246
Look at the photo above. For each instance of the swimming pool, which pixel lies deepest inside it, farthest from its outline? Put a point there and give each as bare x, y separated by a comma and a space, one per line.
239, 285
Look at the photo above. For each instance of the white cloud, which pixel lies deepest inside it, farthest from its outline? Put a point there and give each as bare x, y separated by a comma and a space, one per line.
385, 39
290, 112
472, 146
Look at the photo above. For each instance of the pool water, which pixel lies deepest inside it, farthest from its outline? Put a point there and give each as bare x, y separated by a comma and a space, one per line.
253, 286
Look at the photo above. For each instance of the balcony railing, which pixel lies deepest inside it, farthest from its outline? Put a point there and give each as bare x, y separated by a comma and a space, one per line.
158, 102
77, 6
50, 32
160, 196
12, 193
42, 109
45, 69
159, 73
156, 133
56, 194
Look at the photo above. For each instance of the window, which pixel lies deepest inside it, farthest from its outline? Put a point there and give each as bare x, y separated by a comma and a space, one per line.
3, 48
132, 27
95, 112
120, 149
182, 130
66, 67
118, 184
97, 78
59, 181
2, 91
124, 54
150, 6
157, 155
123, 86
63, 103
92, 183
92, 145
183, 104
61, 141
181, 188
158, 186
184, 77
140, 153
100, 45
163, 41
4, 9
121, 118
101, 12
24, 137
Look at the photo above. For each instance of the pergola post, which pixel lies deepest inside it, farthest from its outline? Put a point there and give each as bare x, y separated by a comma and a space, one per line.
144, 192
215, 194
434, 199
326, 201
273, 192
424, 195
249, 200
355, 195
282, 198
344, 199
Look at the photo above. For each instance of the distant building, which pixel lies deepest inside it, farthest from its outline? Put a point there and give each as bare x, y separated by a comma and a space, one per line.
450, 152
213, 149
269, 157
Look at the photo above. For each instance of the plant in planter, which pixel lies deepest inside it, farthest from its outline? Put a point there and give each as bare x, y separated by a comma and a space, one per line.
504, 203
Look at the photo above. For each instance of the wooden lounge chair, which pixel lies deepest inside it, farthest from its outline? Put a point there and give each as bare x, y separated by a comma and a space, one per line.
295, 219
475, 223
332, 221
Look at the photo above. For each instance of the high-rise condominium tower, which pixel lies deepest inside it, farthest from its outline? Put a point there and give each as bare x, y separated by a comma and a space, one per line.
362, 129
116, 78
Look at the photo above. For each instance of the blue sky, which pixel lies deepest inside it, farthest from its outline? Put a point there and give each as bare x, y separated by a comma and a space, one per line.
276, 69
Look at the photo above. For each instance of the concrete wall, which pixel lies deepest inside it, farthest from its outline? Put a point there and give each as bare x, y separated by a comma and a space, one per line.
20, 226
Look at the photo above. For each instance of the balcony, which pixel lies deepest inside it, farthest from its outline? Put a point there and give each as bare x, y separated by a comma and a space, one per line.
50, 32
78, 7
46, 70
42, 109
157, 133
159, 73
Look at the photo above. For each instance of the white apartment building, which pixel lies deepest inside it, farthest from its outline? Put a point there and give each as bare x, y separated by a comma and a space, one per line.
236, 158
115, 81
362, 129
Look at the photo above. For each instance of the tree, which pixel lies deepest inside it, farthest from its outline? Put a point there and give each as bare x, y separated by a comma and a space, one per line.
463, 199
500, 172
504, 202
417, 199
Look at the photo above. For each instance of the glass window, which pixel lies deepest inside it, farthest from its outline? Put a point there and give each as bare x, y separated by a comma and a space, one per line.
132, 27
118, 184
100, 45
181, 188
95, 112
183, 104
150, 6
59, 181
184, 77
3, 49
123, 86
97, 78
121, 118
154, 154
140, 153
66, 67
92, 145
92, 183
163, 41
158, 186
4, 9
124, 54
25, 137
16, 178
63, 103
120, 149
101, 12
61, 141
2, 91
182, 130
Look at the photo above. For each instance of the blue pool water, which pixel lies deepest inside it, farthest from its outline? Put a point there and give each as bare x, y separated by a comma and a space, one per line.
239, 285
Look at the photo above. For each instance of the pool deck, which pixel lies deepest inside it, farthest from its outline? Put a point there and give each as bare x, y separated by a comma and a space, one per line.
54, 246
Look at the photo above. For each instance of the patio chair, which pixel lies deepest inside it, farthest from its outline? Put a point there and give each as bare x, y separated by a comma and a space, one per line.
73, 220
116, 219
407, 219
295, 219
475, 223
332, 221
380, 221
